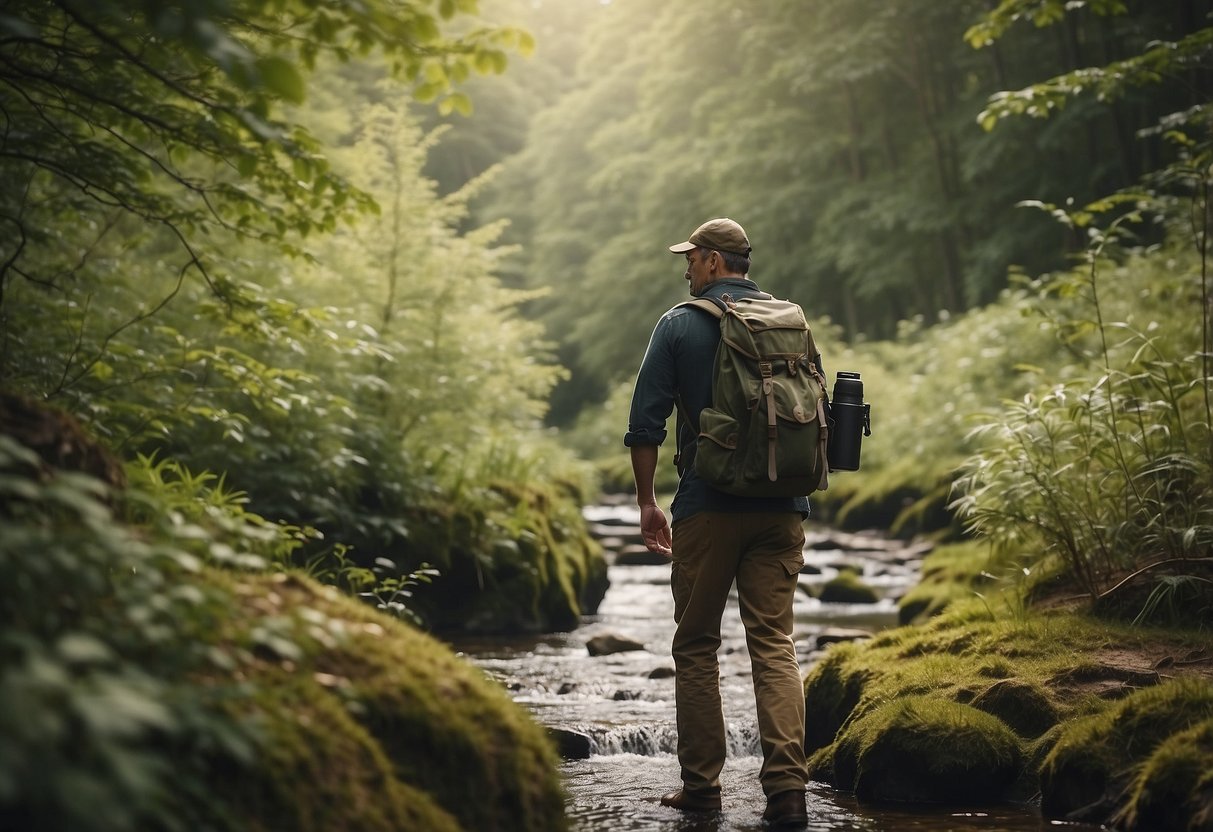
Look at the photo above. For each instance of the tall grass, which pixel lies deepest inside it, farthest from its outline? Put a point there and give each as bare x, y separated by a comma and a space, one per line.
1111, 472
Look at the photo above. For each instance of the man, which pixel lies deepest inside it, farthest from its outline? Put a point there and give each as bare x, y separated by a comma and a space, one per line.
718, 539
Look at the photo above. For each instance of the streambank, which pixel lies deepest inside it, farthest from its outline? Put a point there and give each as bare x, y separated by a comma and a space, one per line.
1094, 721
615, 711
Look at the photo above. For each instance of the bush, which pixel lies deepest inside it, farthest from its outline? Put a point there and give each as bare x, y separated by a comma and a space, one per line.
1112, 470
168, 676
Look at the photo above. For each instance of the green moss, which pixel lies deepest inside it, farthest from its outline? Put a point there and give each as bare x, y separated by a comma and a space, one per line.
320, 770
904, 497
848, 588
520, 559
1092, 758
950, 573
832, 690
384, 727
1174, 787
1024, 706
925, 749
1045, 677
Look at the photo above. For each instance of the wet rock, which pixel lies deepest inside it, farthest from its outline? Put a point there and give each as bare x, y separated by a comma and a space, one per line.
638, 555
600, 530
626, 695
609, 643
918, 750
567, 688
835, 635
847, 541
810, 569
662, 673
847, 588
571, 745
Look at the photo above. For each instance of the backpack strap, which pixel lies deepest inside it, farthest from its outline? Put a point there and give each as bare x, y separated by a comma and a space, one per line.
712, 306
716, 308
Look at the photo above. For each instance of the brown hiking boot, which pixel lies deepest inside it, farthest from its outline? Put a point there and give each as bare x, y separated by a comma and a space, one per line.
786, 810
688, 801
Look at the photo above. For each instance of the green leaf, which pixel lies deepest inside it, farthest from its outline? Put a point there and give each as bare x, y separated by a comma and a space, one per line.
426, 93
455, 102
526, 44
280, 77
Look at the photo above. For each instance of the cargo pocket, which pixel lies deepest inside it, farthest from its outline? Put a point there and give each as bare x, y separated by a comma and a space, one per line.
793, 565
793, 560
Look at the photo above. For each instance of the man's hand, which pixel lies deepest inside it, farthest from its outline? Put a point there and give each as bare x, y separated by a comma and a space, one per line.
655, 529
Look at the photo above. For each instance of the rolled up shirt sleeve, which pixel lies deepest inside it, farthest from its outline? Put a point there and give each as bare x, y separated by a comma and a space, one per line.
653, 396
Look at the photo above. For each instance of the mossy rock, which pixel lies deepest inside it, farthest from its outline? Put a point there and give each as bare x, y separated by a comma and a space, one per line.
904, 498
379, 726
929, 515
832, 690
874, 508
927, 750
950, 574
522, 560
319, 769
1174, 788
1023, 706
847, 588
1087, 772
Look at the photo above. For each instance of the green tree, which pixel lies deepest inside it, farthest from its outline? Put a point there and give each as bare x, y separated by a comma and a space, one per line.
169, 115
846, 137
377, 386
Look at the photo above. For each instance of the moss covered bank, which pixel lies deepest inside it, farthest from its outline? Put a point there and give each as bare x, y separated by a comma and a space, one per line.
993, 701
158, 671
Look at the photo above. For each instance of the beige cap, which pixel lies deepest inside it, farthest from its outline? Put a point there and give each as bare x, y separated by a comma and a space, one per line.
720, 235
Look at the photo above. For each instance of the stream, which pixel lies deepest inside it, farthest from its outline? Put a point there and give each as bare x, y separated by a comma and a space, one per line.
618, 709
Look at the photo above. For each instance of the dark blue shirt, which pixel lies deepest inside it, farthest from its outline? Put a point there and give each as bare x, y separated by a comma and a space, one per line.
678, 365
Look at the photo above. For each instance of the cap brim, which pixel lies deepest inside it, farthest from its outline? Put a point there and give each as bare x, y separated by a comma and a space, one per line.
682, 248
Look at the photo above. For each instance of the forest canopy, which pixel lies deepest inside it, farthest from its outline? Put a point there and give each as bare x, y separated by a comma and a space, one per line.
863, 145
223, 253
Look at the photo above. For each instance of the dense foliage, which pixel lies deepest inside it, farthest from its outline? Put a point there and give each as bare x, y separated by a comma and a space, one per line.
253, 296
158, 670
214, 271
851, 140
1076, 406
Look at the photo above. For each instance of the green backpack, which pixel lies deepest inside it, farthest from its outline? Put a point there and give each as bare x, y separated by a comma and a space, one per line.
765, 434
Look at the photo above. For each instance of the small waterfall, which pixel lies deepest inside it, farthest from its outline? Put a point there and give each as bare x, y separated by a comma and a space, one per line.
662, 738
613, 717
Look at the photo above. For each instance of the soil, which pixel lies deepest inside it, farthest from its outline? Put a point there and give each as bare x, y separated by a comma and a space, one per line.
1125, 668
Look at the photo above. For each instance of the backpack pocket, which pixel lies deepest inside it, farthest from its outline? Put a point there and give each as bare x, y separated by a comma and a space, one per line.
716, 448
794, 456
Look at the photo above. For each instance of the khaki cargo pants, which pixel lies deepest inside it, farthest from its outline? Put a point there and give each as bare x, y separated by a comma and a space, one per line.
763, 552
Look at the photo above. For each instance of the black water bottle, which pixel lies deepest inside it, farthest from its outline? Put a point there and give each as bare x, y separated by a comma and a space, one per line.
852, 421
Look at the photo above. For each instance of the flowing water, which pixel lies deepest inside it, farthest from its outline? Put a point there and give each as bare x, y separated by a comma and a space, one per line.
620, 707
